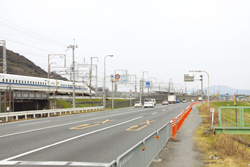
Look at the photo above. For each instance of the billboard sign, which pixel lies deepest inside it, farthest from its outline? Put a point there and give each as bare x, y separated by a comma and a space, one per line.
188, 78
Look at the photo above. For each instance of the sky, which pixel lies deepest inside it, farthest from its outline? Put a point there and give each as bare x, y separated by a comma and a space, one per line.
161, 39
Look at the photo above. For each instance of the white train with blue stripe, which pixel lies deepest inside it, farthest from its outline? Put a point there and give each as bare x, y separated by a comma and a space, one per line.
52, 86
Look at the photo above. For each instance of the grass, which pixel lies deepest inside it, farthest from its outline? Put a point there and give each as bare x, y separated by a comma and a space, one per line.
232, 150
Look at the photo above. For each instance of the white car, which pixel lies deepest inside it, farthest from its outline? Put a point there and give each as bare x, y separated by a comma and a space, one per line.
138, 104
149, 103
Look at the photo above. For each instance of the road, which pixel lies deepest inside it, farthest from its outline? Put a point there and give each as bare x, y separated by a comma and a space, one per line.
90, 138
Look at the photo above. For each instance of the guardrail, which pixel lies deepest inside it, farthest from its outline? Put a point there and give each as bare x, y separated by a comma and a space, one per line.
48, 113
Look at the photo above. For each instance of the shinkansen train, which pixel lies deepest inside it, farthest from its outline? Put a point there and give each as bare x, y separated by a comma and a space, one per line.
52, 86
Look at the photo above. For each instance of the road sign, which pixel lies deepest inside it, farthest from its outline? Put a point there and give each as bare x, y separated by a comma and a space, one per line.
117, 76
123, 79
188, 78
147, 84
130, 92
112, 77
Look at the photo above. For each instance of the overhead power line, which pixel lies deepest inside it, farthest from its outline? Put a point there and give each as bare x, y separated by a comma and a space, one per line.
29, 33
27, 45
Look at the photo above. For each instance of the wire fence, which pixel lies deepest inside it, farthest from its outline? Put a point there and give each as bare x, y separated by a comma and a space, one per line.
234, 116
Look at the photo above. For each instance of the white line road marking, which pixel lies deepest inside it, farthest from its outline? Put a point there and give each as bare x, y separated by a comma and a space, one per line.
87, 115
53, 163
62, 125
33, 123
154, 113
69, 139
163, 110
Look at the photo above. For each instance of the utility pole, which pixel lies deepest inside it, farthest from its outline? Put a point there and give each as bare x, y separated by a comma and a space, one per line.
90, 76
143, 81
4, 57
73, 69
169, 86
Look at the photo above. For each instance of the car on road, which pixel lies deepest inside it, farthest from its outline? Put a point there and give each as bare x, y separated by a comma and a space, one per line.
149, 103
177, 101
138, 104
165, 102
184, 101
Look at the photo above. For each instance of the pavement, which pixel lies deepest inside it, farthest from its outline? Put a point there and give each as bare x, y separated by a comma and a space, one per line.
181, 152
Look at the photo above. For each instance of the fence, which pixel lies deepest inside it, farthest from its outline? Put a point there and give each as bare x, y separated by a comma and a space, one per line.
234, 120
234, 116
117, 104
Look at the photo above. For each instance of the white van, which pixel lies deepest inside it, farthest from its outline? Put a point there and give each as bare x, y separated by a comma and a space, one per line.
149, 103
154, 101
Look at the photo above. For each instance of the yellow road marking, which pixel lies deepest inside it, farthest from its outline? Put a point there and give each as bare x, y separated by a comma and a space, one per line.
84, 126
135, 127
91, 124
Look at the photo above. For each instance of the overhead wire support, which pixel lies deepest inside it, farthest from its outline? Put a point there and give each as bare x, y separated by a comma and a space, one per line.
4, 56
73, 69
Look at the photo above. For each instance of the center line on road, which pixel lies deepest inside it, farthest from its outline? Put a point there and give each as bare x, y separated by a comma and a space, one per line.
69, 139
33, 123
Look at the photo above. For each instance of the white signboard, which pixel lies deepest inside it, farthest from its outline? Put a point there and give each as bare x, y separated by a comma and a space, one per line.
188, 78
123, 79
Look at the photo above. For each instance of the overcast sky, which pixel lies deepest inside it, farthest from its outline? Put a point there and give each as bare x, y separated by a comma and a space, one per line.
166, 38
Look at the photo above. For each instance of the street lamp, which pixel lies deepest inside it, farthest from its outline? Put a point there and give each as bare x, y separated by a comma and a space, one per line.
104, 82
207, 79
143, 81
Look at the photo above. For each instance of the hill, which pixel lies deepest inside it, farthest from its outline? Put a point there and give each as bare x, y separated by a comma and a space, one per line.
20, 65
223, 89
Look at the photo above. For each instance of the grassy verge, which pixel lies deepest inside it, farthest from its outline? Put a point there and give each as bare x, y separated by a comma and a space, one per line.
220, 149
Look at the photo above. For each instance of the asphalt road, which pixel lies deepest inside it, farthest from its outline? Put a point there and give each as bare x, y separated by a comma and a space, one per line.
89, 138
